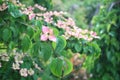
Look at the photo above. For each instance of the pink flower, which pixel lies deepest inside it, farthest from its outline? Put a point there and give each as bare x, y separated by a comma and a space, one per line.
30, 8
49, 19
52, 38
31, 16
47, 33
51, 31
45, 29
61, 24
44, 37
40, 7
70, 22
94, 34
26, 12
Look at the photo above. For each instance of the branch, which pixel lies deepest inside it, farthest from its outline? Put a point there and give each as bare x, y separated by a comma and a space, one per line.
112, 5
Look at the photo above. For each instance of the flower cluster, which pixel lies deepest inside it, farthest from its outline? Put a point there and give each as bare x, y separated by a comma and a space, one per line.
68, 24
24, 72
47, 33
4, 57
48, 16
71, 30
18, 61
30, 11
18, 58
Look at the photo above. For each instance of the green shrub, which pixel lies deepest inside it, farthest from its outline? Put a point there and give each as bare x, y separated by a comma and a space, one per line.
107, 25
34, 42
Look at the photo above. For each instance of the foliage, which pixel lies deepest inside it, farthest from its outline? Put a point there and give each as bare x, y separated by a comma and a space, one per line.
36, 44
102, 16
46, 3
107, 24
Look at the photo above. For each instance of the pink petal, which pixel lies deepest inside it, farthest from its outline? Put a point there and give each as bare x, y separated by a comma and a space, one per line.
52, 38
94, 33
31, 16
51, 31
45, 29
30, 8
44, 37
48, 19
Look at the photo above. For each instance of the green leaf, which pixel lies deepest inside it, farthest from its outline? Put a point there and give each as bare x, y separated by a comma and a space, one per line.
46, 50
78, 47
60, 44
30, 31
22, 78
35, 77
47, 77
38, 24
11, 45
68, 67
15, 31
6, 34
61, 67
56, 32
14, 11
56, 67
54, 45
108, 27
67, 53
37, 35
26, 43
35, 50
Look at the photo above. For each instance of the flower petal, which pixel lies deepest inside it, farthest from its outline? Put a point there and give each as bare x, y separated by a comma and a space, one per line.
52, 38
44, 37
31, 16
45, 29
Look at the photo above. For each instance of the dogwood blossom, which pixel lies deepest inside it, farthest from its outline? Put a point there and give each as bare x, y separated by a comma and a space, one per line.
5, 57
30, 72
31, 16
18, 58
47, 34
67, 24
16, 66
23, 72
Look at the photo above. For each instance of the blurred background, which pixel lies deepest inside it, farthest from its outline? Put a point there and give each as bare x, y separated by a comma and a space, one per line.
82, 11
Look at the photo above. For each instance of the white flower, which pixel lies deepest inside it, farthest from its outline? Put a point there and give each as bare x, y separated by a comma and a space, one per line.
30, 71
37, 67
5, 57
23, 72
18, 58
16, 66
